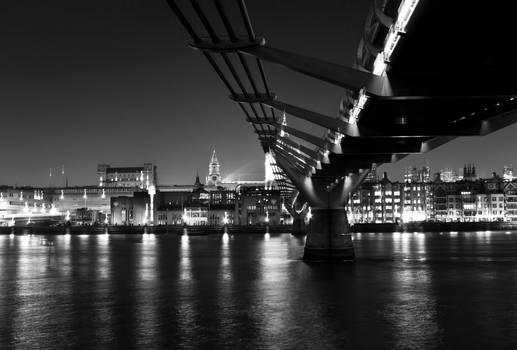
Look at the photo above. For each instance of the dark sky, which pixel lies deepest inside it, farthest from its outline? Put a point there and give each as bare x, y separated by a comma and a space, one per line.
112, 81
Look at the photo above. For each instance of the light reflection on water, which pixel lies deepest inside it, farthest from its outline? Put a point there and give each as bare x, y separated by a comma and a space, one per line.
410, 290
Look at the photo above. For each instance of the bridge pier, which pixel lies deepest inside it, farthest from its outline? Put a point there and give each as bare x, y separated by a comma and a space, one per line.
299, 227
329, 238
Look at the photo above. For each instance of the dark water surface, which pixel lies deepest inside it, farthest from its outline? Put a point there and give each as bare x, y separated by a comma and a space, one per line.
407, 291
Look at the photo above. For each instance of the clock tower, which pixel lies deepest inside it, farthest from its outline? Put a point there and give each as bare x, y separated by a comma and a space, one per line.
214, 172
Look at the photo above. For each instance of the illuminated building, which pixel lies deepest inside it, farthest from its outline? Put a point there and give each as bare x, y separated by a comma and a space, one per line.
510, 196
413, 174
194, 205
380, 202
448, 175
137, 177
468, 200
217, 202
258, 205
214, 172
25, 205
87, 204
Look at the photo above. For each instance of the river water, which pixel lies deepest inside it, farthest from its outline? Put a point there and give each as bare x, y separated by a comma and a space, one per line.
252, 291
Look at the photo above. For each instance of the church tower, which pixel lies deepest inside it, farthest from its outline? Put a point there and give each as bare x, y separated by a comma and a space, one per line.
214, 172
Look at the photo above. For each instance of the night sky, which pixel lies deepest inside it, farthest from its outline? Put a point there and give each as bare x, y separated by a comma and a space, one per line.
114, 82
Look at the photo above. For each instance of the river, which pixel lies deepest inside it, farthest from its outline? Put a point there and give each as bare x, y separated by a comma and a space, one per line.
253, 291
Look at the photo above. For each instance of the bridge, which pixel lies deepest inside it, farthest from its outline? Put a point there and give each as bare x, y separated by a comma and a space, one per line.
426, 72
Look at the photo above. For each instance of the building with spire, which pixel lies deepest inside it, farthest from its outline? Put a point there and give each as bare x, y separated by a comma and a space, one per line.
469, 172
214, 172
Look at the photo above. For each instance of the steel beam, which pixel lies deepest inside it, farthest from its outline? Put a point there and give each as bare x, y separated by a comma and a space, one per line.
334, 124
305, 136
297, 163
226, 46
252, 98
346, 77
388, 87
309, 152
310, 190
358, 146
498, 122
299, 156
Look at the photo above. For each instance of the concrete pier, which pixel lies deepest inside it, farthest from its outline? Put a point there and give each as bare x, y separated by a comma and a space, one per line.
299, 227
329, 236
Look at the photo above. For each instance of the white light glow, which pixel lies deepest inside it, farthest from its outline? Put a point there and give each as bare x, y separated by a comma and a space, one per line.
184, 217
337, 138
406, 9
269, 176
379, 65
309, 213
389, 45
146, 213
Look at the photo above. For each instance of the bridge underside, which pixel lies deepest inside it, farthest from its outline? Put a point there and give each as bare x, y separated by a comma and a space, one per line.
426, 73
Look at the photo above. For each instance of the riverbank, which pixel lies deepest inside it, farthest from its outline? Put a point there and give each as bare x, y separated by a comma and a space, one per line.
174, 229
435, 227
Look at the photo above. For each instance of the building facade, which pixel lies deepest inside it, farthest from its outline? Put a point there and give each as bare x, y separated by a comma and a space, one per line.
258, 204
213, 178
137, 177
467, 200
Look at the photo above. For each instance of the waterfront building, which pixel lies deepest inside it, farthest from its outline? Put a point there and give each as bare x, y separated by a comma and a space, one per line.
79, 205
92, 200
510, 197
195, 205
137, 177
391, 202
468, 200
134, 210
23, 205
257, 204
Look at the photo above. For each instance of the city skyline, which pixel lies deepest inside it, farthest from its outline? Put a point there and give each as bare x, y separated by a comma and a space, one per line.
105, 82
60, 178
